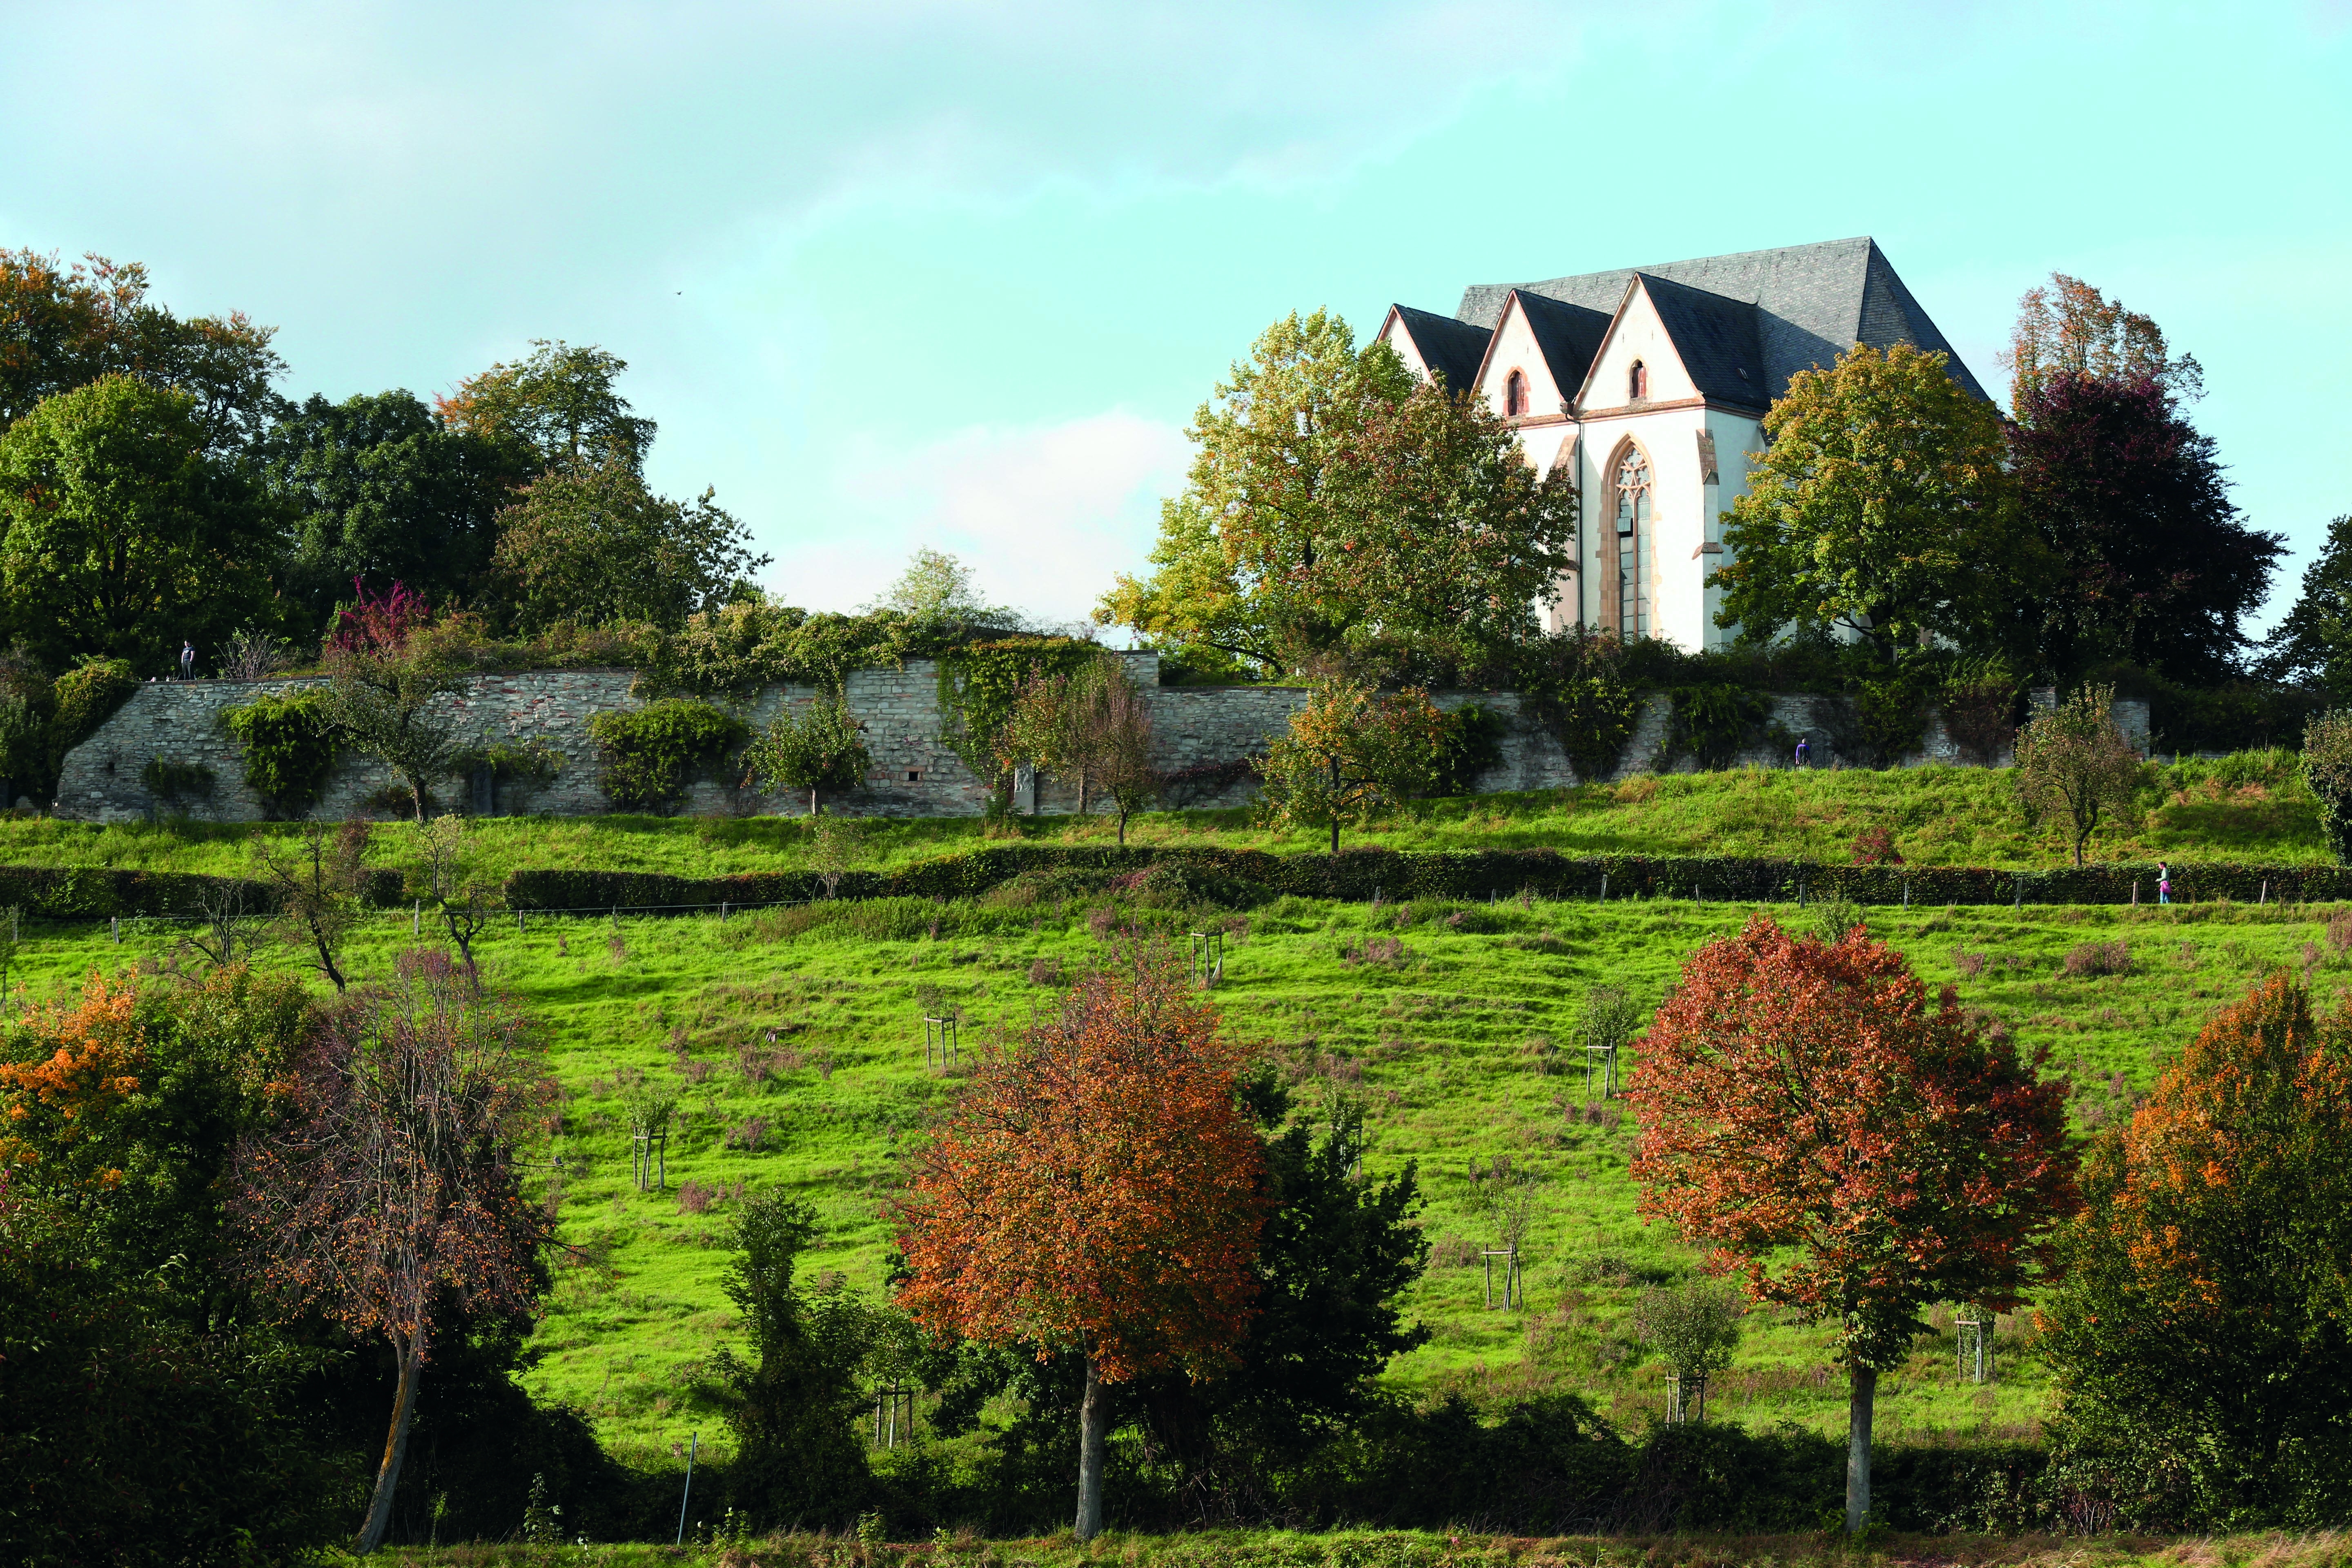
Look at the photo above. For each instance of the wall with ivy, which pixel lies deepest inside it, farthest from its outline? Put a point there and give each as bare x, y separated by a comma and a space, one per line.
1205, 731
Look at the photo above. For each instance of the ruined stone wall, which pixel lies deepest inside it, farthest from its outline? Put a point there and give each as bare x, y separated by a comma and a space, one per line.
914, 774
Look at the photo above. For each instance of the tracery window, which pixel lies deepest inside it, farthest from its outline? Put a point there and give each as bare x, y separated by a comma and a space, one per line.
1631, 487
1637, 382
1514, 394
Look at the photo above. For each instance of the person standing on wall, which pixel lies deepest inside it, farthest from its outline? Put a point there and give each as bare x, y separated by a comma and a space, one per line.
187, 659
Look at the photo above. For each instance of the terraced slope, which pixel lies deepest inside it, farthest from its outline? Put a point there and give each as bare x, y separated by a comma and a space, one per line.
794, 1040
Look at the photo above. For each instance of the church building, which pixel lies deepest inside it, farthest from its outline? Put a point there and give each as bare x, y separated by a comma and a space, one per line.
1651, 384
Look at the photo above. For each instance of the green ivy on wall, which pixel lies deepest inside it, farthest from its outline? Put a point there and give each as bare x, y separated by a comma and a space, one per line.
978, 682
289, 746
652, 752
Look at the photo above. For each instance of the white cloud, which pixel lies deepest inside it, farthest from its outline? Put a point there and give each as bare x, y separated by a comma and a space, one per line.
1045, 515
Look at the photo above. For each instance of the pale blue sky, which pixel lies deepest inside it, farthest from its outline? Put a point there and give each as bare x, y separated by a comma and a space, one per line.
957, 274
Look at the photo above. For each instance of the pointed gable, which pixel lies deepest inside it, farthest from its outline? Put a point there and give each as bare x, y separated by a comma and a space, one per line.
1637, 335
1549, 343
1436, 345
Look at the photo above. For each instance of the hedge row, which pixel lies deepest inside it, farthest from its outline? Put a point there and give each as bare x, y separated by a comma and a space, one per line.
99, 892
1361, 874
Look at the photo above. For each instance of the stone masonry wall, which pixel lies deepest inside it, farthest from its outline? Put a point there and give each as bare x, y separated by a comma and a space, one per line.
914, 774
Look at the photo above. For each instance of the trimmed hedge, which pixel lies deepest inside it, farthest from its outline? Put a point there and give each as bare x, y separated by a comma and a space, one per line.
1391, 875
98, 892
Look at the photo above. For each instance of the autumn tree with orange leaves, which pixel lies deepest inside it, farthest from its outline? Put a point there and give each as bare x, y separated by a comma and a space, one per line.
394, 1187
2201, 1342
1097, 1193
1855, 1150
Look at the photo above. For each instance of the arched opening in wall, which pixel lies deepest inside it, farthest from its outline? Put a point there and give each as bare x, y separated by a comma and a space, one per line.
1631, 494
1515, 394
1637, 382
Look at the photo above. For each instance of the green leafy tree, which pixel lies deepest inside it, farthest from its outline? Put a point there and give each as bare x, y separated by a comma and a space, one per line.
591, 544
1694, 1330
2328, 769
1878, 500
936, 590
560, 405
1349, 753
380, 490
798, 1463
125, 534
2199, 1338
2314, 642
820, 748
63, 327
2073, 764
1336, 506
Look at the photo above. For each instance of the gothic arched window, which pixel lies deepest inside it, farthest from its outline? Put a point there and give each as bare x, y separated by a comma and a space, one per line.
1515, 394
1637, 382
1630, 486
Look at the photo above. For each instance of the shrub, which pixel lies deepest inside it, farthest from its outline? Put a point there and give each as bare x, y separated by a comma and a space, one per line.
1876, 846
85, 699
2328, 769
290, 747
1576, 685
2087, 960
652, 752
1891, 716
1469, 743
173, 783
1714, 723
1978, 702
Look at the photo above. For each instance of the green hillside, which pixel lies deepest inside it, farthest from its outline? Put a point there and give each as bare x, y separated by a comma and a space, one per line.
2251, 806
1448, 1020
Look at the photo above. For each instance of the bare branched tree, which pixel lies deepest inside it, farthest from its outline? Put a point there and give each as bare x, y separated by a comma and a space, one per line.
319, 881
447, 876
396, 1179
231, 923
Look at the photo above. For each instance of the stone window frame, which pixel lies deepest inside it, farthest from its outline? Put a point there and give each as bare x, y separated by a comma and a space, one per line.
1517, 399
1635, 546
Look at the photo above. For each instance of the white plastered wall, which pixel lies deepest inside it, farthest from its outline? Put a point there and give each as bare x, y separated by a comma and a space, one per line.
1514, 348
1394, 334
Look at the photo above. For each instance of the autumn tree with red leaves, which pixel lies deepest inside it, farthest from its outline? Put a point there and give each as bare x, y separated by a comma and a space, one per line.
1099, 1194
394, 1185
1854, 1150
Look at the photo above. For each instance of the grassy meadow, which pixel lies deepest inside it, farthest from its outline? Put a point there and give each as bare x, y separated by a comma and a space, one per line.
2251, 806
795, 1039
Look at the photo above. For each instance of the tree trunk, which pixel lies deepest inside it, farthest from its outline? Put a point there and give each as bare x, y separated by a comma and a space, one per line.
812, 802
1861, 1400
1122, 827
1092, 1417
1335, 808
395, 1446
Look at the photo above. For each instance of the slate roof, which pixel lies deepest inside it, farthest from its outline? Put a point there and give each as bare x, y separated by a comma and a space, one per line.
1808, 303
1452, 348
1716, 338
1569, 335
